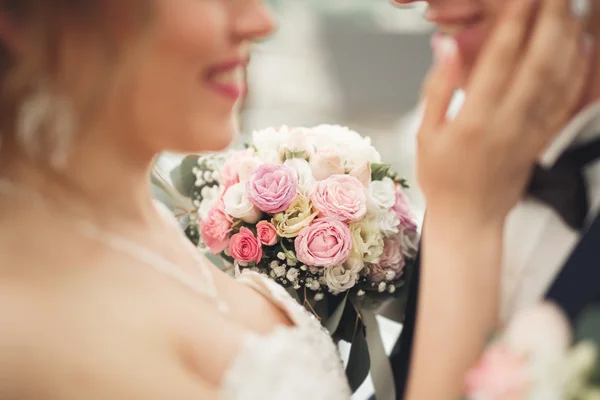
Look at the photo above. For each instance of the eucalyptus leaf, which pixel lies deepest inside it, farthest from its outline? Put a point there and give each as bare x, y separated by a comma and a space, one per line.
359, 363
379, 171
216, 260
333, 322
183, 177
588, 325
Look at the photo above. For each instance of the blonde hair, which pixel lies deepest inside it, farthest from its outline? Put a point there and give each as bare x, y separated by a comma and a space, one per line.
42, 27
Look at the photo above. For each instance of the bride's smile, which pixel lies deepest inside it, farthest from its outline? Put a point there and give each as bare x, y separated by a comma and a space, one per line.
227, 78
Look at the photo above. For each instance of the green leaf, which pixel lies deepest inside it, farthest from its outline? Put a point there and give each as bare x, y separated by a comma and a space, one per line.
359, 363
588, 325
183, 177
215, 259
333, 322
379, 171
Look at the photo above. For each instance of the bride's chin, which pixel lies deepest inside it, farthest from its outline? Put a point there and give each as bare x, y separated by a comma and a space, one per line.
215, 141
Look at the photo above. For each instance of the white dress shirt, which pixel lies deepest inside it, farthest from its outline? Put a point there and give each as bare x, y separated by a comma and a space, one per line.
537, 241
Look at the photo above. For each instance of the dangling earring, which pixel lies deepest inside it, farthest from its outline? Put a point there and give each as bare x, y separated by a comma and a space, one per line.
46, 126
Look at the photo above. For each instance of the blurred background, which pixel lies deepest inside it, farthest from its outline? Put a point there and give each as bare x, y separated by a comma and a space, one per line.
350, 62
358, 63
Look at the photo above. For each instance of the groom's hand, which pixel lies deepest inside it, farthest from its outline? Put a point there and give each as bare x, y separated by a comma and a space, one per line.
526, 84
473, 170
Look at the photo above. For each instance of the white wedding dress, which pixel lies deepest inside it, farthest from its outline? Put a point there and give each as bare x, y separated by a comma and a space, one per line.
291, 363
300, 362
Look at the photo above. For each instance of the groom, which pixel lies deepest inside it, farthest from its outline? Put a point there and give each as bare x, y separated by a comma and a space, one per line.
552, 244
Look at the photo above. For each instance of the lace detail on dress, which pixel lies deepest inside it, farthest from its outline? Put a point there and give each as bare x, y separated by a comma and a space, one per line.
290, 363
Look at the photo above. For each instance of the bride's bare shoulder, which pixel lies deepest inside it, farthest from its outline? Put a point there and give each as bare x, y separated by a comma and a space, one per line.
17, 333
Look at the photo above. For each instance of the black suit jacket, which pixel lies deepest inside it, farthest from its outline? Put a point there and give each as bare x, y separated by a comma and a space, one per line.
576, 287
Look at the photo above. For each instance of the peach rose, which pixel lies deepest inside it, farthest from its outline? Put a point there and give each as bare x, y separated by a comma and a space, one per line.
326, 162
340, 197
266, 233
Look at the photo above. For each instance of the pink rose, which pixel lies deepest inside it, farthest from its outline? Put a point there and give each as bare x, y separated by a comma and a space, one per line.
391, 262
501, 374
215, 229
403, 210
325, 243
245, 247
341, 197
266, 233
272, 188
238, 167
326, 162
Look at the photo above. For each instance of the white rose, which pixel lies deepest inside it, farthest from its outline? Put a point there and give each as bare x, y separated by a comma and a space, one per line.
268, 141
388, 223
360, 153
326, 162
326, 136
410, 243
339, 279
354, 148
239, 206
210, 195
247, 166
337, 134
367, 241
354, 264
306, 180
542, 332
381, 196
298, 144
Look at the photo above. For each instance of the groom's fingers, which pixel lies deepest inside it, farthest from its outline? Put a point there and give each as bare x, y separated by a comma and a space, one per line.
440, 85
570, 98
497, 63
536, 96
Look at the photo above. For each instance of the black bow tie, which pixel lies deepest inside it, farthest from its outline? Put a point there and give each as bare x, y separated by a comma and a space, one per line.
563, 186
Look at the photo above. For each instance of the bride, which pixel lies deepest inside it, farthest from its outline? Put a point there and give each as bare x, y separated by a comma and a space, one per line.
101, 295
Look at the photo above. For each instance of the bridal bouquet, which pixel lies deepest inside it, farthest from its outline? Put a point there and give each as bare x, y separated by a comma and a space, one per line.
539, 357
316, 210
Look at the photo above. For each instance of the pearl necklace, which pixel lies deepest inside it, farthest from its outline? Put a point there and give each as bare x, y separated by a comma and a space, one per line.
126, 246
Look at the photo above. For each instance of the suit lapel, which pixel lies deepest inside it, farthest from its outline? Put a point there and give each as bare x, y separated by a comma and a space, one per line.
578, 283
